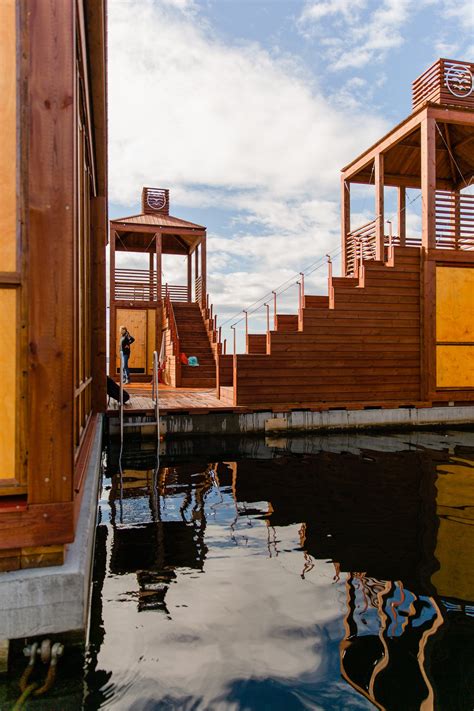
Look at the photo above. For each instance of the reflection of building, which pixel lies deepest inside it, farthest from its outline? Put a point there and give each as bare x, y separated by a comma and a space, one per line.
374, 513
403, 521
159, 525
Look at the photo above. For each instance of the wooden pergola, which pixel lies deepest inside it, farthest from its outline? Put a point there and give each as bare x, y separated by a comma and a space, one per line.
154, 232
431, 150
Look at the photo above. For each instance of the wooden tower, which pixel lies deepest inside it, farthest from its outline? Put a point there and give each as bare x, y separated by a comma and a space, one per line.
397, 328
173, 319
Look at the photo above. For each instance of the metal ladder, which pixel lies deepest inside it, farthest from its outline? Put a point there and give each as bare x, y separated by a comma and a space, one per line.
155, 398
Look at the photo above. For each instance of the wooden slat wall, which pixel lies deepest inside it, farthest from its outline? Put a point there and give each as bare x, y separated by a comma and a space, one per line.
365, 349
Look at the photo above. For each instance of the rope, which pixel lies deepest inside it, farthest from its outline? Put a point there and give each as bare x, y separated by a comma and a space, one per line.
24, 696
452, 156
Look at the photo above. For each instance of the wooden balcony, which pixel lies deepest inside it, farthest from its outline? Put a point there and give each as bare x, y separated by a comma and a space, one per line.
141, 285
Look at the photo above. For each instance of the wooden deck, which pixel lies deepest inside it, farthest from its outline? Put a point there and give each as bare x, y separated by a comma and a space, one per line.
194, 400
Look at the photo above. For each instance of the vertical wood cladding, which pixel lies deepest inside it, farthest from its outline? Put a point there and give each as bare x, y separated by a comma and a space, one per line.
365, 349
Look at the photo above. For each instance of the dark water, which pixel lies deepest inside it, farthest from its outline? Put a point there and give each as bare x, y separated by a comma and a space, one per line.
324, 573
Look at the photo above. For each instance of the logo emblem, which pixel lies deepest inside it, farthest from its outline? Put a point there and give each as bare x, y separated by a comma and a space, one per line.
156, 199
459, 81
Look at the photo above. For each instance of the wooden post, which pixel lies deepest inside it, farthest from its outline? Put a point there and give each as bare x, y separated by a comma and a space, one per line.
345, 221
379, 207
428, 183
113, 311
267, 306
190, 277
203, 269
51, 223
402, 216
98, 303
274, 309
151, 294
246, 326
158, 241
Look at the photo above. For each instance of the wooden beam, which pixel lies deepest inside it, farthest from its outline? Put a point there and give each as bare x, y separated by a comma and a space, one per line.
448, 115
428, 182
113, 308
379, 206
159, 268
51, 215
99, 229
203, 270
190, 276
405, 181
401, 214
390, 139
345, 220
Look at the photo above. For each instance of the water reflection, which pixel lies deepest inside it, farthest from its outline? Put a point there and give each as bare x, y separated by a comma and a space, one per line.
337, 579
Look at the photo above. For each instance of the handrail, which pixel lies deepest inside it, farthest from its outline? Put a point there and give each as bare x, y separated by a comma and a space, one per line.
155, 396
174, 333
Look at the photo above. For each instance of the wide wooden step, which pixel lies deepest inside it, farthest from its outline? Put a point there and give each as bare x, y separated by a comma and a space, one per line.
286, 322
257, 343
316, 302
198, 382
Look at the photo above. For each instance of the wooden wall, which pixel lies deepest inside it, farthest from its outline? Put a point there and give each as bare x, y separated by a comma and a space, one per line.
366, 349
401, 334
52, 259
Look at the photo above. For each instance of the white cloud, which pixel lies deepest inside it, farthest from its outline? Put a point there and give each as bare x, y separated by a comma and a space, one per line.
230, 126
356, 33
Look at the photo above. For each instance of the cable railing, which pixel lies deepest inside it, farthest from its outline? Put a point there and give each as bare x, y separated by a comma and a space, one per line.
270, 302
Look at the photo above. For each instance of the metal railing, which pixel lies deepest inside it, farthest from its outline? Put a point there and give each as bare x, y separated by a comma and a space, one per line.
155, 400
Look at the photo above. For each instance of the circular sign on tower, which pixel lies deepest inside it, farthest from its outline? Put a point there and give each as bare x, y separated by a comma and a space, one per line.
459, 80
156, 198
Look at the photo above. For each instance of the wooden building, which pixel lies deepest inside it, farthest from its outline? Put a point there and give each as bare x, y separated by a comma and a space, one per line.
397, 328
53, 214
153, 310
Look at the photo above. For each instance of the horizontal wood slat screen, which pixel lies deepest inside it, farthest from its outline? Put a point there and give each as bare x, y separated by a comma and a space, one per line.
142, 285
434, 84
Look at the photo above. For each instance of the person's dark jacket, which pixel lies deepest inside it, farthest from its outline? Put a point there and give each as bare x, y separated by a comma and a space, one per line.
125, 343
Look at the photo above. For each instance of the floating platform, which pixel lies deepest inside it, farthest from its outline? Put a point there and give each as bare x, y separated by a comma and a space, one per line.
199, 412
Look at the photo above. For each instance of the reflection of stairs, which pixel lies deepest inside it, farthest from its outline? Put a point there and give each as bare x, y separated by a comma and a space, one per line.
359, 345
194, 341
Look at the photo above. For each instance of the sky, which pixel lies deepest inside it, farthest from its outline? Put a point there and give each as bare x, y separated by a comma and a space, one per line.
247, 110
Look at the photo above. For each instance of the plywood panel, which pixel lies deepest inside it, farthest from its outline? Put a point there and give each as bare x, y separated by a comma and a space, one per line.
455, 366
136, 322
7, 136
8, 299
454, 304
151, 339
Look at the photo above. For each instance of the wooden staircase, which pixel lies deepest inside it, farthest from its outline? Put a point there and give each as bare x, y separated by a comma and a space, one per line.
194, 341
360, 344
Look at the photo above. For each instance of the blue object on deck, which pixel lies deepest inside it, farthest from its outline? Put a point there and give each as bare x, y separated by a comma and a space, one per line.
192, 360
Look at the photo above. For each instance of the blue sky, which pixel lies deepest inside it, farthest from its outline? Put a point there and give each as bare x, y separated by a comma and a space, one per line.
248, 109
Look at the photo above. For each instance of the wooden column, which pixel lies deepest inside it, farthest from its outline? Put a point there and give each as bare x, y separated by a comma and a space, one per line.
402, 216
428, 182
51, 220
158, 244
203, 271
112, 309
151, 269
190, 276
379, 206
345, 220
98, 303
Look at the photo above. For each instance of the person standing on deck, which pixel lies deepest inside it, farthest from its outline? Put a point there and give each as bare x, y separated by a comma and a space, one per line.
125, 342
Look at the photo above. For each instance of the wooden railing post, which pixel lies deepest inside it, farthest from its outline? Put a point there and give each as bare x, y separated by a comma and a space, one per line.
267, 306
246, 325
379, 206
235, 343
274, 309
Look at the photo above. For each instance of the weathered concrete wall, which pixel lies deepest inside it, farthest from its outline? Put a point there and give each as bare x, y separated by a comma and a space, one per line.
304, 421
52, 600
